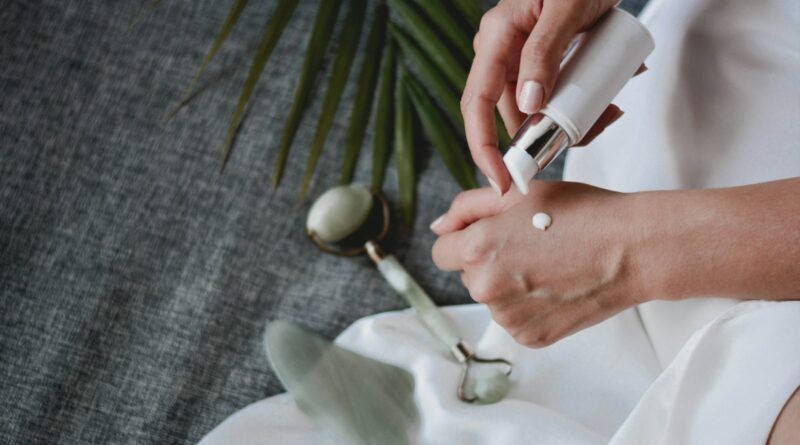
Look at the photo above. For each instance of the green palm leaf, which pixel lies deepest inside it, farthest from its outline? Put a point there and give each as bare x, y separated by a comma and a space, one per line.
471, 11
427, 38
424, 63
438, 85
227, 26
351, 32
383, 118
435, 42
367, 80
404, 150
283, 12
439, 13
447, 144
320, 36
430, 76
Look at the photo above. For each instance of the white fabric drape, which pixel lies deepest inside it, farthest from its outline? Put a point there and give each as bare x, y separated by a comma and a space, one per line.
718, 107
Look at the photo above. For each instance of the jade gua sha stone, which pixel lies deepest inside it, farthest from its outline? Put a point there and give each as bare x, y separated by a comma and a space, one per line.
358, 399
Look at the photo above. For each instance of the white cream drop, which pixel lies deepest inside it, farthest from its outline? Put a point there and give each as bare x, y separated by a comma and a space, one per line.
542, 221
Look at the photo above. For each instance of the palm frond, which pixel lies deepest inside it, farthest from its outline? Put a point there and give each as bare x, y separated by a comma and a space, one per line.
283, 12
470, 10
422, 65
367, 80
346, 52
427, 38
384, 118
404, 149
440, 14
317, 44
441, 135
435, 43
234, 13
434, 79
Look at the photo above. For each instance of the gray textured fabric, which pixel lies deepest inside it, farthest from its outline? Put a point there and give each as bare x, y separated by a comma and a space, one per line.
136, 281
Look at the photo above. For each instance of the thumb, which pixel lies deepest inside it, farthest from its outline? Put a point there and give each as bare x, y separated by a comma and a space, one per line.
542, 53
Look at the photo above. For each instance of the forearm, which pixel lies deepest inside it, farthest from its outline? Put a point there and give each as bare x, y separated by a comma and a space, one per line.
741, 242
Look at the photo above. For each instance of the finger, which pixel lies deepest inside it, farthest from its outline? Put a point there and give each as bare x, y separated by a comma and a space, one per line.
468, 207
499, 41
609, 116
542, 53
509, 110
446, 253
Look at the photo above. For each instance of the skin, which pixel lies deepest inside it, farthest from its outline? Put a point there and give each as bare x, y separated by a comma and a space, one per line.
787, 428
608, 251
542, 286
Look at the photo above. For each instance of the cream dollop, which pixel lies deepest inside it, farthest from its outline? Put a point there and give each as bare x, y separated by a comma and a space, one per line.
542, 221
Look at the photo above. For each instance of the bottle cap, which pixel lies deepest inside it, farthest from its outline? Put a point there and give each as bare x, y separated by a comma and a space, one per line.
521, 166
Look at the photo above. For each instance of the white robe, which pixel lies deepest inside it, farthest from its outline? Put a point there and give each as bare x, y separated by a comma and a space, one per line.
719, 106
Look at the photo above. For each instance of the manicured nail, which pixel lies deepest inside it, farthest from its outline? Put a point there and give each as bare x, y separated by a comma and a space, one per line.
436, 222
530, 97
495, 186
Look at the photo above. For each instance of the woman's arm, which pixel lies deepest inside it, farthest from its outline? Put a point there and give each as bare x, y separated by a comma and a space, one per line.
741, 242
608, 251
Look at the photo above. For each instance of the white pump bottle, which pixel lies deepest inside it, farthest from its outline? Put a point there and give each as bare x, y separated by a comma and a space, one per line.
610, 53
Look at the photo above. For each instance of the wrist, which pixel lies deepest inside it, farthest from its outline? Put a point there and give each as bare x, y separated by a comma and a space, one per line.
671, 236
632, 233
637, 235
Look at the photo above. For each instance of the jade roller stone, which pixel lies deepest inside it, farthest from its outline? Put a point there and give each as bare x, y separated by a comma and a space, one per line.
339, 212
492, 387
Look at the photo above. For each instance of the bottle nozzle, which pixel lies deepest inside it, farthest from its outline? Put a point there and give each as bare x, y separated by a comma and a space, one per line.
537, 143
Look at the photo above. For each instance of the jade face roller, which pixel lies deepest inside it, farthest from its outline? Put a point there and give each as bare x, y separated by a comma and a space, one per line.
340, 213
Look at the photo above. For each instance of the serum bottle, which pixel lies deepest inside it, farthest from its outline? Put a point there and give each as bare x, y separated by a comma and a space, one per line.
594, 72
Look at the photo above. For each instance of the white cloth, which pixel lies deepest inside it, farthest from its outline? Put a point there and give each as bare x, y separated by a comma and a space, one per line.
601, 385
720, 106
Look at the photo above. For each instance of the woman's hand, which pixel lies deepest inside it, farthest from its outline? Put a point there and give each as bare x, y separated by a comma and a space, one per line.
608, 251
542, 285
518, 50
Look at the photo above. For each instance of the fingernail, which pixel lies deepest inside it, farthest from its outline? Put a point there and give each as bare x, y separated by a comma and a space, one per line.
619, 115
436, 222
495, 186
530, 97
